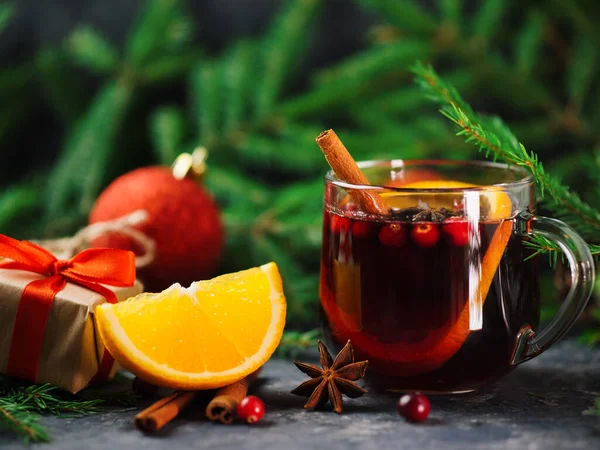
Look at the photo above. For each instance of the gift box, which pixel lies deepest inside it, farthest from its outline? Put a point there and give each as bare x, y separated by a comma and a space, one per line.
47, 329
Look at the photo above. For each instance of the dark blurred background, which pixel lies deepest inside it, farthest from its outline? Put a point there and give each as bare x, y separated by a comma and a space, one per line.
340, 31
92, 90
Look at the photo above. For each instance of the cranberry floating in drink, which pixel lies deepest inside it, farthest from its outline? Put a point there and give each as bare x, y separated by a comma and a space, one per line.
432, 280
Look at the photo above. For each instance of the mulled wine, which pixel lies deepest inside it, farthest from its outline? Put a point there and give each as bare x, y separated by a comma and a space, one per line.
427, 268
402, 290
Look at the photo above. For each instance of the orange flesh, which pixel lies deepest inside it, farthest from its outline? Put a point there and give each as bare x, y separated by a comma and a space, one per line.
212, 333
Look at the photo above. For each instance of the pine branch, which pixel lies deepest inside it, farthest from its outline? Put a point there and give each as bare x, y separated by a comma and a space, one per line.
92, 51
408, 99
13, 79
13, 112
22, 404
579, 18
404, 100
368, 67
373, 120
167, 127
229, 186
450, 10
528, 43
301, 291
491, 136
162, 28
60, 86
205, 90
291, 151
20, 420
292, 342
16, 202
582, 70
78, 176
352, 78
6, 14
407, 15
535, 132
410, 137
594, 410
591, 337
238, 80
46, 399
167, 67
542, 245
487, 20
281, 50
290, 203
522, 93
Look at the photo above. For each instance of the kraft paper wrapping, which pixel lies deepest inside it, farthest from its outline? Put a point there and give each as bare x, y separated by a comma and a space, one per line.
72, 348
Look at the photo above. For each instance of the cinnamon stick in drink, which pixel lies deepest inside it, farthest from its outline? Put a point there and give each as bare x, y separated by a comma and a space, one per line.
346, 169
222, 407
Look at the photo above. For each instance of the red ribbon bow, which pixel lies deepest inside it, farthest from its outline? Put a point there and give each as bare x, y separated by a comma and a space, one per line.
88, 269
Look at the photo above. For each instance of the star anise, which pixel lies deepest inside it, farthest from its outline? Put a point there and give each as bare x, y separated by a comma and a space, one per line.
336, 377
431, 215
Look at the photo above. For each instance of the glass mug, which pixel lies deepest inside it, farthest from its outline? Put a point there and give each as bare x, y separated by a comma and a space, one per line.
441, 294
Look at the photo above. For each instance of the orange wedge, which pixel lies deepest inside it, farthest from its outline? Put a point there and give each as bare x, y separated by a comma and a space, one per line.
206, 336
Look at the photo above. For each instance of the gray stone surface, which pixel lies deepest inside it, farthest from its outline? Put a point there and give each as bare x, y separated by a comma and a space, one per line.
539, 406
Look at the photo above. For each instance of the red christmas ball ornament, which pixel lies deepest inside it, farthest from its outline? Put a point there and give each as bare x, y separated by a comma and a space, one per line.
183, 222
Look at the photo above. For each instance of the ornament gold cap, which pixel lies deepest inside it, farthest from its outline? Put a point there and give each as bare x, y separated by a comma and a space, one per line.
193, 164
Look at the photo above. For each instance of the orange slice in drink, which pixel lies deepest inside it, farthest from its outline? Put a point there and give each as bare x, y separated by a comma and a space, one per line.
413, 358
206, 336
497, 203
430, 353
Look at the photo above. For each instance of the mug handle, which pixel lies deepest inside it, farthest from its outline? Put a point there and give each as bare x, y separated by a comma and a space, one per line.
529, 343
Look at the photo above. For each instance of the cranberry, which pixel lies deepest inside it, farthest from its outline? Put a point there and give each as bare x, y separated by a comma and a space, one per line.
393, 235
361, 229
339, 223
425, 234
456, 231
251, 409
414, 407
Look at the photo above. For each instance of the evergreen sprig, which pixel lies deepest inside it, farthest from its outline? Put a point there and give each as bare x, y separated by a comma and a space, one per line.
491, 136
22, 421
542, 245
21, 406
591, 336
595, 409
293, 342
92, 51
6, 13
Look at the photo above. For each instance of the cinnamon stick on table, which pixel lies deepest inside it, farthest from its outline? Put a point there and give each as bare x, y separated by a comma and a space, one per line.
346, 169
222, 407
163, 411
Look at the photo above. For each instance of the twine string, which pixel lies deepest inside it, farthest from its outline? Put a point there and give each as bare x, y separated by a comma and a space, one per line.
67, 247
